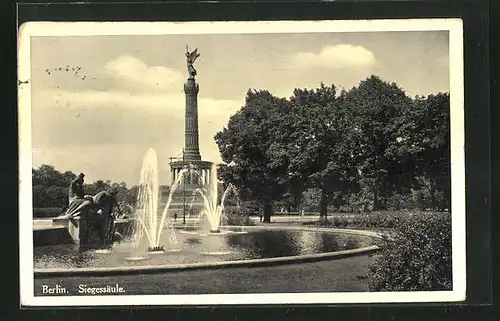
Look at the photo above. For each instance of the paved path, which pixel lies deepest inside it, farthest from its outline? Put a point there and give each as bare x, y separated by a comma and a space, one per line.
289, 218
282, 219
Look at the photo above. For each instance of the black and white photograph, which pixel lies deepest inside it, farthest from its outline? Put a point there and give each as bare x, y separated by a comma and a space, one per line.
257, 162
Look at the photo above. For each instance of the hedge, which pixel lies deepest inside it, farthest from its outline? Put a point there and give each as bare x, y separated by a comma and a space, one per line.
418, 256
46, 212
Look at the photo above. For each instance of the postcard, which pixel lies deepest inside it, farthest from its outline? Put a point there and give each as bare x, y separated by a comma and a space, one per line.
249, 162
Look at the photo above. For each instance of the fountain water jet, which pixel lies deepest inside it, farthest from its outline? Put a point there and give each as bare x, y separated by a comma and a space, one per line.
148, 205
147, 225
213, 210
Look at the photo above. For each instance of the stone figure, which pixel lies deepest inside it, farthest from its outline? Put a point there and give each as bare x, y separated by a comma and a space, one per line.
79, 202
105, 202
191, 58
95, 213
76, 190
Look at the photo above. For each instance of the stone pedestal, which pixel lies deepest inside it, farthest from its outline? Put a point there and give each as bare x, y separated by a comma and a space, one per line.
84, 231
72, 226
81, 234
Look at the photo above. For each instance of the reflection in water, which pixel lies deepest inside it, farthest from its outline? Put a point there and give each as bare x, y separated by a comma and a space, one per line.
214, 243
329, 244
193, 240
288, 243
309, 241
350, 244
253, 245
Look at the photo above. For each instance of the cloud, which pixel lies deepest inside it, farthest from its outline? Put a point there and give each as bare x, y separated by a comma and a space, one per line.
89, 130
146, 102
93, 118
338, 56
133, 73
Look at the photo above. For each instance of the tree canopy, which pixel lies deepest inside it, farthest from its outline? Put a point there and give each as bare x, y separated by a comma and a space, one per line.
245, 145
50, 188
360, 147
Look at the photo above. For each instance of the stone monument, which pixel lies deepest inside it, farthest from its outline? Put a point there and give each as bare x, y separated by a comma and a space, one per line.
185, 202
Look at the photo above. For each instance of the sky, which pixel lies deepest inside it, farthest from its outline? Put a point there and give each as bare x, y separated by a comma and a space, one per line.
100, 102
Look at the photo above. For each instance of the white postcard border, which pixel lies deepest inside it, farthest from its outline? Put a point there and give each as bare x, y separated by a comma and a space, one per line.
38, 29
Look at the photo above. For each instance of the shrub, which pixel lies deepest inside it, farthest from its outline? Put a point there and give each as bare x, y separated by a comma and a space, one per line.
381, 219
46, 212
419, 199
239, 220
339, 221
372, 220
417, 257
401, 201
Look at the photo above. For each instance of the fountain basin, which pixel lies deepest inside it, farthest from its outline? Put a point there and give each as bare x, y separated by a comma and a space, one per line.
156, 249
164, 251
219, 233
239, 232
188, 232
45, 273
155, 252
215, 253
102, 251
136, 258
217, 256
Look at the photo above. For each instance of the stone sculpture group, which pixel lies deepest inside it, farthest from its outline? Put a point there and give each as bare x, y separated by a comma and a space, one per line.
92, 214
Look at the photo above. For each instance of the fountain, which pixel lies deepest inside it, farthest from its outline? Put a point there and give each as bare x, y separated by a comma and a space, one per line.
147, 207
190, 228
147, 225
153, 233
212, 209
201, 248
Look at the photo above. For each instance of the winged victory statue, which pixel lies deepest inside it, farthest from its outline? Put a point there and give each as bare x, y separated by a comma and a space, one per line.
191, 58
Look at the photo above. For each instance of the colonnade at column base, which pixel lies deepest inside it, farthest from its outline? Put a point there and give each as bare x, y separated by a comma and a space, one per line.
185, 193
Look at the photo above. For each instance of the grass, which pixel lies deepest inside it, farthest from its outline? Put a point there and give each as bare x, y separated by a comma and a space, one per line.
342, 275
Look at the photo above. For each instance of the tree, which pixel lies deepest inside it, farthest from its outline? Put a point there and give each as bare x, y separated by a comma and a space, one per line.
128, 196
375, 105
39, 196
55, 196
249, 207
50, 188
313, 131
244, 145
369, 147
424, 140
312, 145
47, 175
96, 187
311, 199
